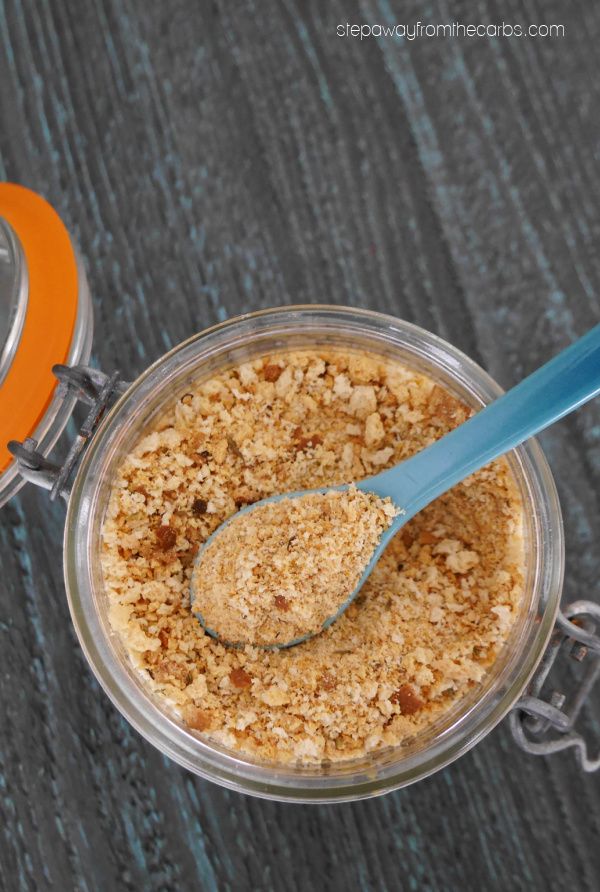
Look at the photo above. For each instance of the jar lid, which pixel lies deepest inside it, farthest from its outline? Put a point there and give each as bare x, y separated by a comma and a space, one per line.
40, 286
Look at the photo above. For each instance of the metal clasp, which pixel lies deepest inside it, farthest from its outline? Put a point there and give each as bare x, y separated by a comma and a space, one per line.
544, 724
89, 386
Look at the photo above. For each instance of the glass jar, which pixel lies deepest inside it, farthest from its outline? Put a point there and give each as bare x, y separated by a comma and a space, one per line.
45, 341
207, 354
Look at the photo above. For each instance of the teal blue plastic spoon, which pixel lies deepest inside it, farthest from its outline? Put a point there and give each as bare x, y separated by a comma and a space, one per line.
559, 387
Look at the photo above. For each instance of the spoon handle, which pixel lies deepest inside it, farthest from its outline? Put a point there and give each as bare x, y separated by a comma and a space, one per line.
557, 388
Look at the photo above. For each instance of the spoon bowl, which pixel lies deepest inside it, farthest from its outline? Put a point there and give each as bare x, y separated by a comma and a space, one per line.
381, 544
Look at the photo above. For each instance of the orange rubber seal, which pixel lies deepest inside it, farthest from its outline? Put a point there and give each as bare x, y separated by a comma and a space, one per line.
49, 323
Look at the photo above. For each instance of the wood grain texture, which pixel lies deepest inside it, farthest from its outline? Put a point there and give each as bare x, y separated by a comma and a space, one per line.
215, 157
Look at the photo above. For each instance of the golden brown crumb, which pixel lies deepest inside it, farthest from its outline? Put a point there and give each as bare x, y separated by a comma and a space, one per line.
272, 372
304, 556
407, 700
431, 618
239, 678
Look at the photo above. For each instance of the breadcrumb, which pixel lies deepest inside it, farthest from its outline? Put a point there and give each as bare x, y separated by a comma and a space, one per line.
427, 625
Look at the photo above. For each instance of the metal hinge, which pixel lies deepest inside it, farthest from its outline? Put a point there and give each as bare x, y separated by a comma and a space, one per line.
542, 722
89, 386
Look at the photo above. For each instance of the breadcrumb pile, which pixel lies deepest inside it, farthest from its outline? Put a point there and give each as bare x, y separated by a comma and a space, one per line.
278, 572
425, 628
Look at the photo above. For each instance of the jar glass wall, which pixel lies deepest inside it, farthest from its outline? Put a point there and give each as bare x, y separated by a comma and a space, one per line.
209, 353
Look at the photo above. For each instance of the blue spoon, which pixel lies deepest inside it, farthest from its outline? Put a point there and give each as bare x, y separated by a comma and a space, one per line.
557, 388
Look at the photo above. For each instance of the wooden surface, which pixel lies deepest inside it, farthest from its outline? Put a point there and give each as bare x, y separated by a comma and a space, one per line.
213, 157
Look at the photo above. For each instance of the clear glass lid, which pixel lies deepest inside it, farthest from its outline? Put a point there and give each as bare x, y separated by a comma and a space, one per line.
14, 292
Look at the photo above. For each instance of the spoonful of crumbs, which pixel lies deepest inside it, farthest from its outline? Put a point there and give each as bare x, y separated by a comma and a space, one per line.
279, 572
282, 570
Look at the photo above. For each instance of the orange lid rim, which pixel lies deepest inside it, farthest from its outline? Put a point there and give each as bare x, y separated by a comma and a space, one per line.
50, 318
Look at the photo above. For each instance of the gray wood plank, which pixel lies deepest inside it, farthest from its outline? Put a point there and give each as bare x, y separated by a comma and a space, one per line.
217, 157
